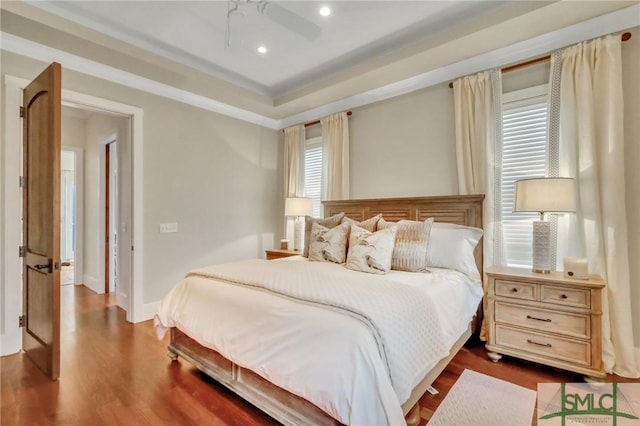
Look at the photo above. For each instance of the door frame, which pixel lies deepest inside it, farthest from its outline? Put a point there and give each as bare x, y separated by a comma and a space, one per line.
107, 215
105, 208
78, 266
10, 263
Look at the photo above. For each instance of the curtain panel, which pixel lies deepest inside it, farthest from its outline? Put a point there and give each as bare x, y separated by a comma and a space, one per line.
294, 139
335, 157
294, 161
478, 121
592, 152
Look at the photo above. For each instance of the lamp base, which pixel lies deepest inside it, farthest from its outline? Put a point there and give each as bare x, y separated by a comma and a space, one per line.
298, 234
541, 271
541, 247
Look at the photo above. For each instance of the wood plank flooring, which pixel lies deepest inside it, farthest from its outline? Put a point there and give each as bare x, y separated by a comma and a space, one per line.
117, 373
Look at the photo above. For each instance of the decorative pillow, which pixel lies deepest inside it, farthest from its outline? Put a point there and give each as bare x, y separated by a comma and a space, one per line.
451, 246
371, 251
329, 222
328, 245
412, 241
369, 224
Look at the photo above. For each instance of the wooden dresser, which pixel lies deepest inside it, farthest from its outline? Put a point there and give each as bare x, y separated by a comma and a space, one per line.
546, 318
277, 253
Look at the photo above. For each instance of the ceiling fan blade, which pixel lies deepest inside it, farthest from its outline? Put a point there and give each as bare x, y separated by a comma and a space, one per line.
290, 20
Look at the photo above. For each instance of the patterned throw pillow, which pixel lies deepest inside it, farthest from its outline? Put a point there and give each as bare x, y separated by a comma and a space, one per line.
410, 249
369, 224
328, 245
371, 251
329, 222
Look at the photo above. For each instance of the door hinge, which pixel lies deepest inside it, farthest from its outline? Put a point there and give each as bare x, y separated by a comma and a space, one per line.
22, 181
21, 321
21, 251
21, 112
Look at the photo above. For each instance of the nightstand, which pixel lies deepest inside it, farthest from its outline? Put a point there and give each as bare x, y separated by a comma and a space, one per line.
278, 254
546, 318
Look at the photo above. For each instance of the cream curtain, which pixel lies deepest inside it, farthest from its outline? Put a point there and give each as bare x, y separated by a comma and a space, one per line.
294, 161
592, 151
294, 138
478, 121
335, 157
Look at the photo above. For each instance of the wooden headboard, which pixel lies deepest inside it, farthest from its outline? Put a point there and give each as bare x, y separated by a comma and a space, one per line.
459, 209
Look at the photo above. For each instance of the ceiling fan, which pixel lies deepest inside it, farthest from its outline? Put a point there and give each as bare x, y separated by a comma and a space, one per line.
278, 14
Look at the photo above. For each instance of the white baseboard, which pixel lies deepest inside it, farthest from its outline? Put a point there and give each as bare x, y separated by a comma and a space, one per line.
122, 300
148, 311
92, 283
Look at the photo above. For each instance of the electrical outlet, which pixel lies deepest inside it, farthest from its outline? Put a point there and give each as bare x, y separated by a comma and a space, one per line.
166, 228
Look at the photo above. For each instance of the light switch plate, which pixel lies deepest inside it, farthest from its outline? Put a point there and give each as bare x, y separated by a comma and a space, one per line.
166, 228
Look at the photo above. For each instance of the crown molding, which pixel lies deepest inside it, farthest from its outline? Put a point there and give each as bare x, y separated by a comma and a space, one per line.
537, 46
33, 50
605, 24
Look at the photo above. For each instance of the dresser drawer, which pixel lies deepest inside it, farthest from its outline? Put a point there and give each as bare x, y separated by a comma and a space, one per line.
574, 325
541, 344
565, 296
515, 289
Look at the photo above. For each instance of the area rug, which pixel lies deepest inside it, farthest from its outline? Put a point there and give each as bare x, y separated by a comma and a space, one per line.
479, 400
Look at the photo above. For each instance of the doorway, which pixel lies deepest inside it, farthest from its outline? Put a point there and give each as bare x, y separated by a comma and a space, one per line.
105, 138
68, 201
111, 217
131, 227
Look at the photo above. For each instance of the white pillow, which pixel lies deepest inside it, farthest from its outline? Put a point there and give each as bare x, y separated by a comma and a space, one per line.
328, 245
451, 246
371, 251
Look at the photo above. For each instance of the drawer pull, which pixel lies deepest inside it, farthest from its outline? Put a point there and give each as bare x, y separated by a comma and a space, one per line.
539, 319
514, 290
546, 345
564, 296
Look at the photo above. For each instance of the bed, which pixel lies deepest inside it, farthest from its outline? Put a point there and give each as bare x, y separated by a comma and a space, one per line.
289, 402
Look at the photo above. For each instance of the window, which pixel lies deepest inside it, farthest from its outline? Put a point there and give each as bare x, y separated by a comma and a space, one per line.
524, 155
313, 173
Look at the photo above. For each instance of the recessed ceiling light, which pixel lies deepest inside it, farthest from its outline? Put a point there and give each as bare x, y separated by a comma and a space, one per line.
262, 49
325, 11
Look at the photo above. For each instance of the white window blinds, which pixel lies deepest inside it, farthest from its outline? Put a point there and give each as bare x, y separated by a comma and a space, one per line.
313, 173
524, 121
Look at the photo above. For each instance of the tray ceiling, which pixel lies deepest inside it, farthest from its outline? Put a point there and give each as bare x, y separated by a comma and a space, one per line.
193, 33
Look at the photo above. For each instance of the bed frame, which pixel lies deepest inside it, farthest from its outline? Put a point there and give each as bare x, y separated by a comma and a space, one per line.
290, 409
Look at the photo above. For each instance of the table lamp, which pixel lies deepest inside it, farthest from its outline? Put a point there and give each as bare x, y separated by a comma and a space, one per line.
298, 207
544, 195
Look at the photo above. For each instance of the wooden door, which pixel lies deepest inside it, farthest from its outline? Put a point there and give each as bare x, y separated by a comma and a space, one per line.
42, 105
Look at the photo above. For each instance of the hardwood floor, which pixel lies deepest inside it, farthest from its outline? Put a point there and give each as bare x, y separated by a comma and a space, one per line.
114, 372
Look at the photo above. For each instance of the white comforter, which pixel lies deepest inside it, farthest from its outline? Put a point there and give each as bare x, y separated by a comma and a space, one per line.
354, 344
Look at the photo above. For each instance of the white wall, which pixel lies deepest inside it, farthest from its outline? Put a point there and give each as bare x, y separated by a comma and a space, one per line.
404, 146
10, 230
73, 130
218, 180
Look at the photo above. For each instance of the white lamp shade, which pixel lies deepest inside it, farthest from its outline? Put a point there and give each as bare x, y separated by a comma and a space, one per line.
545, 195
298, 206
